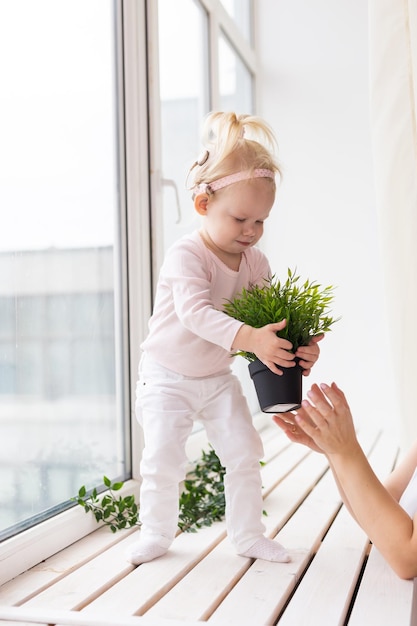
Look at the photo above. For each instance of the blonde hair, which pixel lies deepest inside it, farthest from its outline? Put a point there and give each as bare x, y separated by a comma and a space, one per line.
233, 143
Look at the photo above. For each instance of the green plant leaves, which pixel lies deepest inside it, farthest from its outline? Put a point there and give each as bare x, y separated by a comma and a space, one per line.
202, 501
82, 491
305, 306
117, 513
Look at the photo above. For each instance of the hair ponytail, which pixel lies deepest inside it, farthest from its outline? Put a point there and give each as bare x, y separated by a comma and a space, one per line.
233, 143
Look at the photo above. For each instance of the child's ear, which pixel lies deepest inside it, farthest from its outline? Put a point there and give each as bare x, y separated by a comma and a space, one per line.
200, 203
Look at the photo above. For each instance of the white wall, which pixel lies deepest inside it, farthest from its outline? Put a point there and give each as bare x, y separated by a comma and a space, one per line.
313, 90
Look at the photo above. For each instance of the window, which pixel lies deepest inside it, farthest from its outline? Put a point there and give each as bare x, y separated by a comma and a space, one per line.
241, 13
184, 100
204, 63
62, 378
102, 103
235, 79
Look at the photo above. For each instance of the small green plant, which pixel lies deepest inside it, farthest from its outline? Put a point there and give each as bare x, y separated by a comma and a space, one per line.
117, 513
305, 306
202, 500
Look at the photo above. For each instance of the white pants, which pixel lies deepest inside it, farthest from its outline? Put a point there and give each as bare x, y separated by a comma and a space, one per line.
167, 404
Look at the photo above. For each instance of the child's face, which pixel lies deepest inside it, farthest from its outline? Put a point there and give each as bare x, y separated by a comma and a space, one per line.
234, 217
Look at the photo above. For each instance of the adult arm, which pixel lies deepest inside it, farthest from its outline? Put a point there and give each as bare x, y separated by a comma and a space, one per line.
287, 423
399, 478
327, 420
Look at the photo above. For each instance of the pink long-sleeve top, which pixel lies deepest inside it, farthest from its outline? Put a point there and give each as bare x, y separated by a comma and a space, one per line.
188, 332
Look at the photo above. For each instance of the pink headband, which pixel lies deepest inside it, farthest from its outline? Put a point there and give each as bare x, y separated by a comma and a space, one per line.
233, 178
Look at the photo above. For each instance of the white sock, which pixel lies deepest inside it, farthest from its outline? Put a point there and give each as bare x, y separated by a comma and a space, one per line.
268, 550
144, 550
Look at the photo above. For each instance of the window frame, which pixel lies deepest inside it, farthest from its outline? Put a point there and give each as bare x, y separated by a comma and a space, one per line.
220, 24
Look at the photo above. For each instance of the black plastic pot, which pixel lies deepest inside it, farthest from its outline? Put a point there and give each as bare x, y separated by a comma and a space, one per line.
277, 394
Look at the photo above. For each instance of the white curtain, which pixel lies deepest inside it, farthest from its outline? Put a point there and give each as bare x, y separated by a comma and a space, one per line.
393, 84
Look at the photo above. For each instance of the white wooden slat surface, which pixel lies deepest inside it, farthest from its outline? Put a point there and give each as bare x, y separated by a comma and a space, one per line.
327, 587
383, 598
149, 582
261, 594
56, 617
275, 517
201, 579
191, 600
19, 623
329, 583
53, 569
222, 569
91, 580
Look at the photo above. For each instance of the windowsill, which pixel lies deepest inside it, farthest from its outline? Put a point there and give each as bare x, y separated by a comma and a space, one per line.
30, 547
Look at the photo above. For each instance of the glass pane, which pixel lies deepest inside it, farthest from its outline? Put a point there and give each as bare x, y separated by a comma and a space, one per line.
235, 80
61, 408
184, 71
241, 12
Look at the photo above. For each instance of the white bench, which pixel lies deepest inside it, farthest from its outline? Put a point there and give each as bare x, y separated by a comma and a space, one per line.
335, 576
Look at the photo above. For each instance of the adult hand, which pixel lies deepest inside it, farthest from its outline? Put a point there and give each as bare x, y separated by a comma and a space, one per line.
294, 432
326, 418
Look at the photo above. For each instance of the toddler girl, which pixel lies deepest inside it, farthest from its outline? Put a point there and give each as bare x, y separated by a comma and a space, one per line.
184, 373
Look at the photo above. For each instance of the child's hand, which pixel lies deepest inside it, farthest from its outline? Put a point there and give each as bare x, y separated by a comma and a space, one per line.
269, 348
273, 350
308, 355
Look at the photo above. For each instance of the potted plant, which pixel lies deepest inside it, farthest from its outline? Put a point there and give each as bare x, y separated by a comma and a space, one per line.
305, 306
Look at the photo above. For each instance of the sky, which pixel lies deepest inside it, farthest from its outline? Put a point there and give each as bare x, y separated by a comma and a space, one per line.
58, 183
